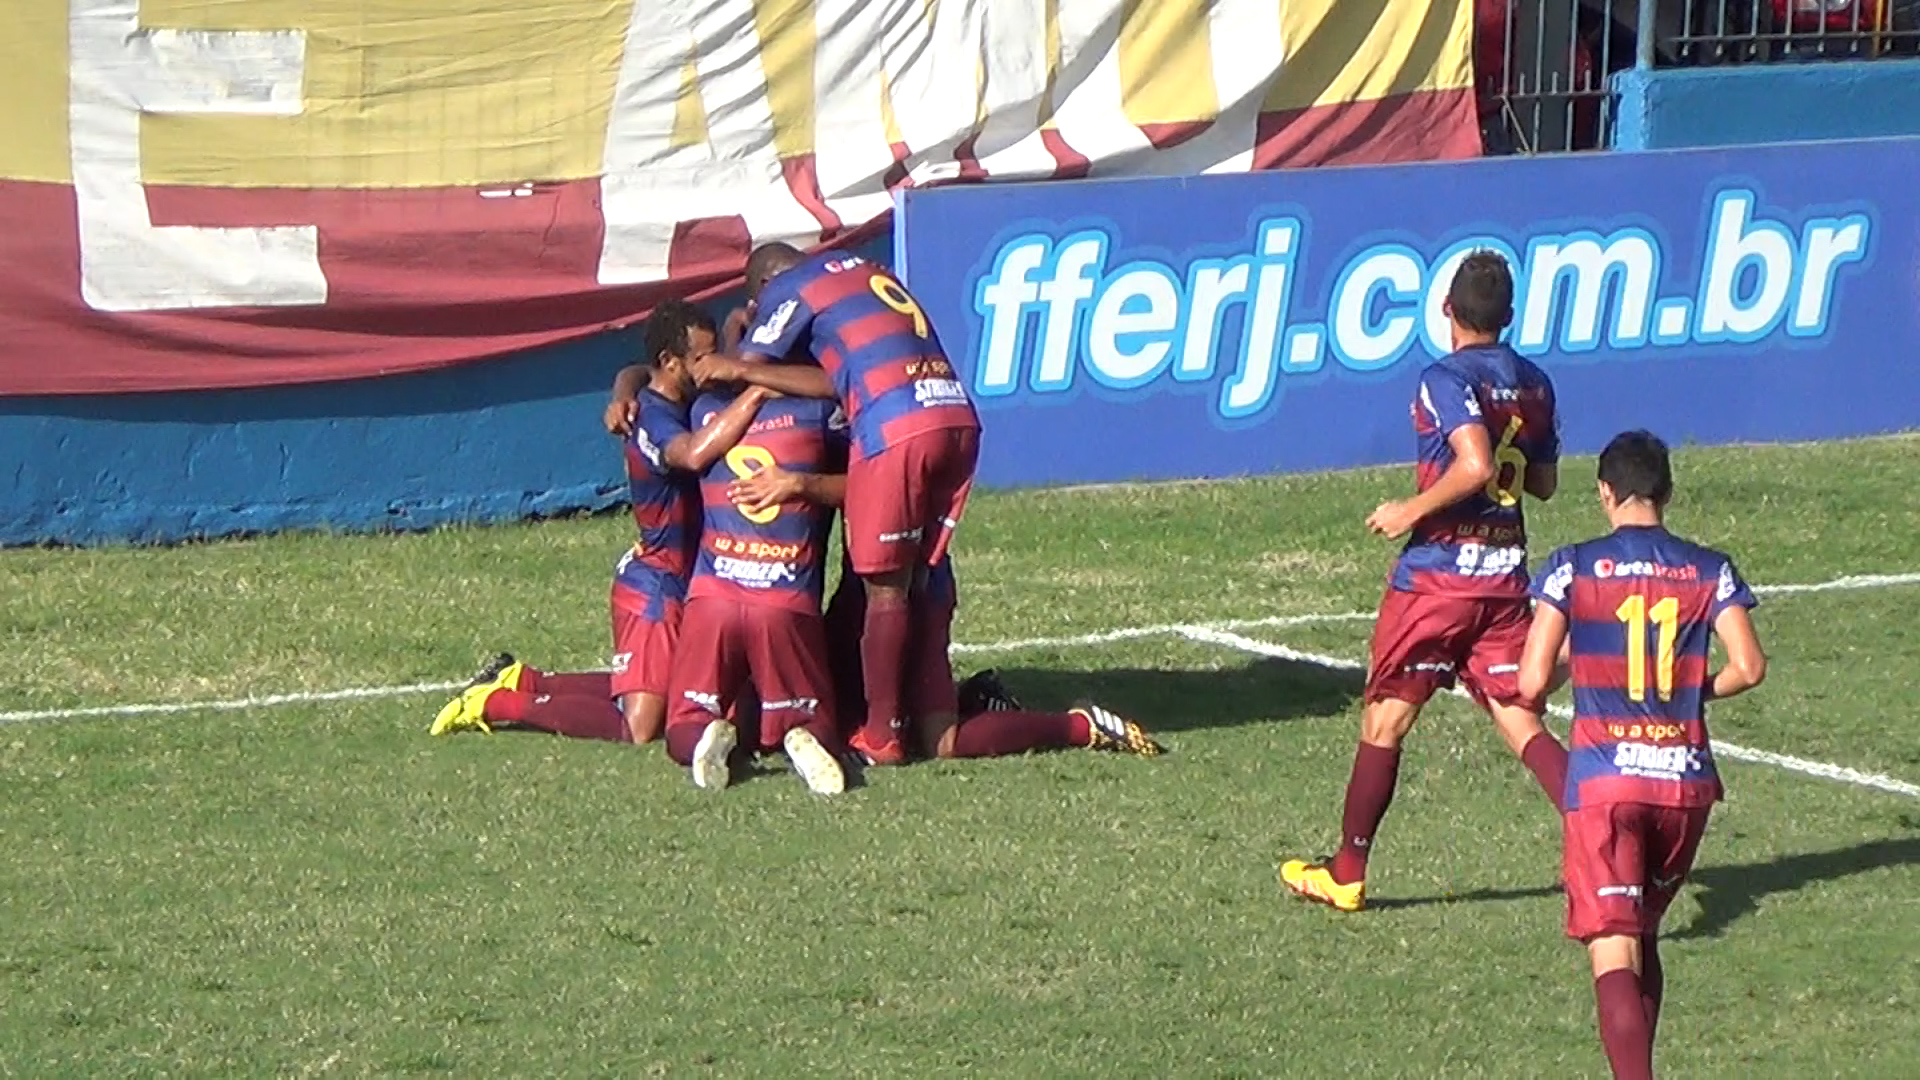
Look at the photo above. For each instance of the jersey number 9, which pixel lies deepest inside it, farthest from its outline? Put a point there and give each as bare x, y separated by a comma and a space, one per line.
894, 295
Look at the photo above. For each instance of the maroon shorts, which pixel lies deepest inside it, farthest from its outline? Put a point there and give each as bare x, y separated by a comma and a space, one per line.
904, 502
728, 649
1623, 864
645, 630
930, 690
1422, 644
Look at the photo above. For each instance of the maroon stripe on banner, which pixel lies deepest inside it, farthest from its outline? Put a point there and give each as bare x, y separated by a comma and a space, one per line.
1069, 164
1167, 136
1426, 125
803, 179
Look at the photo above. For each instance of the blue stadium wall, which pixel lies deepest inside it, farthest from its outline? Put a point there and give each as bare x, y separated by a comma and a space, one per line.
1752, 104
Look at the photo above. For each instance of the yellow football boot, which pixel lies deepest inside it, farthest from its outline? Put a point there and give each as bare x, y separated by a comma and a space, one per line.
464, 713
1111, 731
1314, 881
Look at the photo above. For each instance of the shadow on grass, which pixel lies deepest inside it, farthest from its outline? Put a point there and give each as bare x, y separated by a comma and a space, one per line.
1726, 894
1174, 700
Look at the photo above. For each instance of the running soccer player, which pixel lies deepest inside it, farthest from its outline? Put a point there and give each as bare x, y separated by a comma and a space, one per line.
1638, 609
663, 460
916, 440
753, 617
978, 717
1456, 603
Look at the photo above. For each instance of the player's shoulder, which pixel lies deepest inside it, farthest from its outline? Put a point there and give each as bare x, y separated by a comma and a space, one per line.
707, 405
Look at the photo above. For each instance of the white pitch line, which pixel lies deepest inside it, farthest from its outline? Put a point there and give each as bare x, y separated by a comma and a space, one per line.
1857, 581
1733, 751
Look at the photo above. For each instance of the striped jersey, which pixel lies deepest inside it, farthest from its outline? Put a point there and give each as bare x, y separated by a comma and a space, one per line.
665, 501
1478, 546
859, 323
1640, 604
777, 556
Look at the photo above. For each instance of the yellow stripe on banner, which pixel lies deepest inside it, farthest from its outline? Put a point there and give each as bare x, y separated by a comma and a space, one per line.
787, 37
1047, 101
689, 109
1166, 63
421, 93
33, 91
1363, 50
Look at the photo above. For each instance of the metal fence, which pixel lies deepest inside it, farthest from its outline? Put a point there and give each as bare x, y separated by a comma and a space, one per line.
1543, 65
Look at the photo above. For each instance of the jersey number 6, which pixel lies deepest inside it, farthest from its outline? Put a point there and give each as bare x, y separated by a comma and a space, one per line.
1504, 489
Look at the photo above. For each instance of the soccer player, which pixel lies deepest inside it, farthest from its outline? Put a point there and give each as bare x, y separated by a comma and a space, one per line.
1637, 610
855, 334
1456, 604
663, 460
753, 615
976, 718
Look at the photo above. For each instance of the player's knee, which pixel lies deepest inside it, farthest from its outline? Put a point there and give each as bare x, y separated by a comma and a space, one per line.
1386, 722
939, 739
1614, 952
889, 588
646, 716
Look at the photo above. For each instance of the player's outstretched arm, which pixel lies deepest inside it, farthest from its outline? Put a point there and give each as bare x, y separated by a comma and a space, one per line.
1746, 663
1469, 472
773, 486
696, 450
1542, 481
1540, 668
793, 380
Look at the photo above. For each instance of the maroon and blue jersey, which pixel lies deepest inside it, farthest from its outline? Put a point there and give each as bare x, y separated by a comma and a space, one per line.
1478, 546
859, 323
776, 556
666, 505
1640, 606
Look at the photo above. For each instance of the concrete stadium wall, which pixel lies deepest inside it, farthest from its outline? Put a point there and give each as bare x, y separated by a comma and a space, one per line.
1753, 104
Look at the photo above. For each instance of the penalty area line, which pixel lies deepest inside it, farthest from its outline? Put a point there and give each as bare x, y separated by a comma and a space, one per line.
1731, 751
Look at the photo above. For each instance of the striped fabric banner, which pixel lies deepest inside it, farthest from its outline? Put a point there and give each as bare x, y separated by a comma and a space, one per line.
218, 193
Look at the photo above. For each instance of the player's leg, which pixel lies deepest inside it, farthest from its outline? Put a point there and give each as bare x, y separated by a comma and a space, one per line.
787, 660
707, 669
1416, 642
1604, 865
1491, 676
496, 698
646, 634
1674, 842
885, 523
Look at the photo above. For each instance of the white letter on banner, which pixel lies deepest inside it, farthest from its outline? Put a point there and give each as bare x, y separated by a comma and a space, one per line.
649, 186
116, 71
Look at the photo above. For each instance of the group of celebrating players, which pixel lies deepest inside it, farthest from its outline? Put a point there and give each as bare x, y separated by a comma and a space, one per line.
831, 393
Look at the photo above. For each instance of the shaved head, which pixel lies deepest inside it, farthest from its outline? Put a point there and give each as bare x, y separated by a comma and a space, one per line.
768, 260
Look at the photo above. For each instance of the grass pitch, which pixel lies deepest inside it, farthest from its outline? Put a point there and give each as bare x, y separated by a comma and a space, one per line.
320, 890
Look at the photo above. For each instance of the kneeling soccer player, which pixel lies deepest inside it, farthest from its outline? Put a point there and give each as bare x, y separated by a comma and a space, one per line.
1639, 608
753, 616
663, 461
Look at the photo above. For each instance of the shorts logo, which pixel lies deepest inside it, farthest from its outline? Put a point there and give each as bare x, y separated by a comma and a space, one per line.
708, 702
775, 323
621, 660
1438, 667
897, 537
1631, 892
1502, 669
805, 705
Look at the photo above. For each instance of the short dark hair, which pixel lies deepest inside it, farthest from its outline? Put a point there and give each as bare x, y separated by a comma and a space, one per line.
669, 329
1481, 294
768, 260
1636, 465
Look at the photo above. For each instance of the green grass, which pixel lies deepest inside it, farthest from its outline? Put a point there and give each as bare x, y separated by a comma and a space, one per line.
318, 890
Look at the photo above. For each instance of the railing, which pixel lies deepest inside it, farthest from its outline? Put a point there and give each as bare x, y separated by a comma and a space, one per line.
1542, 65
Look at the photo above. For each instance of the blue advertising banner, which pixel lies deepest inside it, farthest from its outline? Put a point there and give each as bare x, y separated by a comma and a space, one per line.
1266, 322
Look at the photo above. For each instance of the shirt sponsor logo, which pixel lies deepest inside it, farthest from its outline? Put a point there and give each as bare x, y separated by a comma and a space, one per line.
753, 574
621, 660
929, 392
756, 549
1607, 568
775, 323
1657, 762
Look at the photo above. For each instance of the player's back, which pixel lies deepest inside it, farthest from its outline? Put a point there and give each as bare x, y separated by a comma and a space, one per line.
1640, 605
774, 556
1477, 546
870, 334
666, 507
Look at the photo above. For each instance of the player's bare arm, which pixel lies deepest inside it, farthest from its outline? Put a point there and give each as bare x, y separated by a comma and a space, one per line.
1468, 473
1746, 663
696, 450
1542, 662
794, 380
773, 486
1542, 481
734, 329
624, 401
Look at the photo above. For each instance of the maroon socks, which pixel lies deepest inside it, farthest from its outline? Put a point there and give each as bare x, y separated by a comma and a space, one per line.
1376, 769
1546, 759
576, 716
997, 734
1624, 1030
